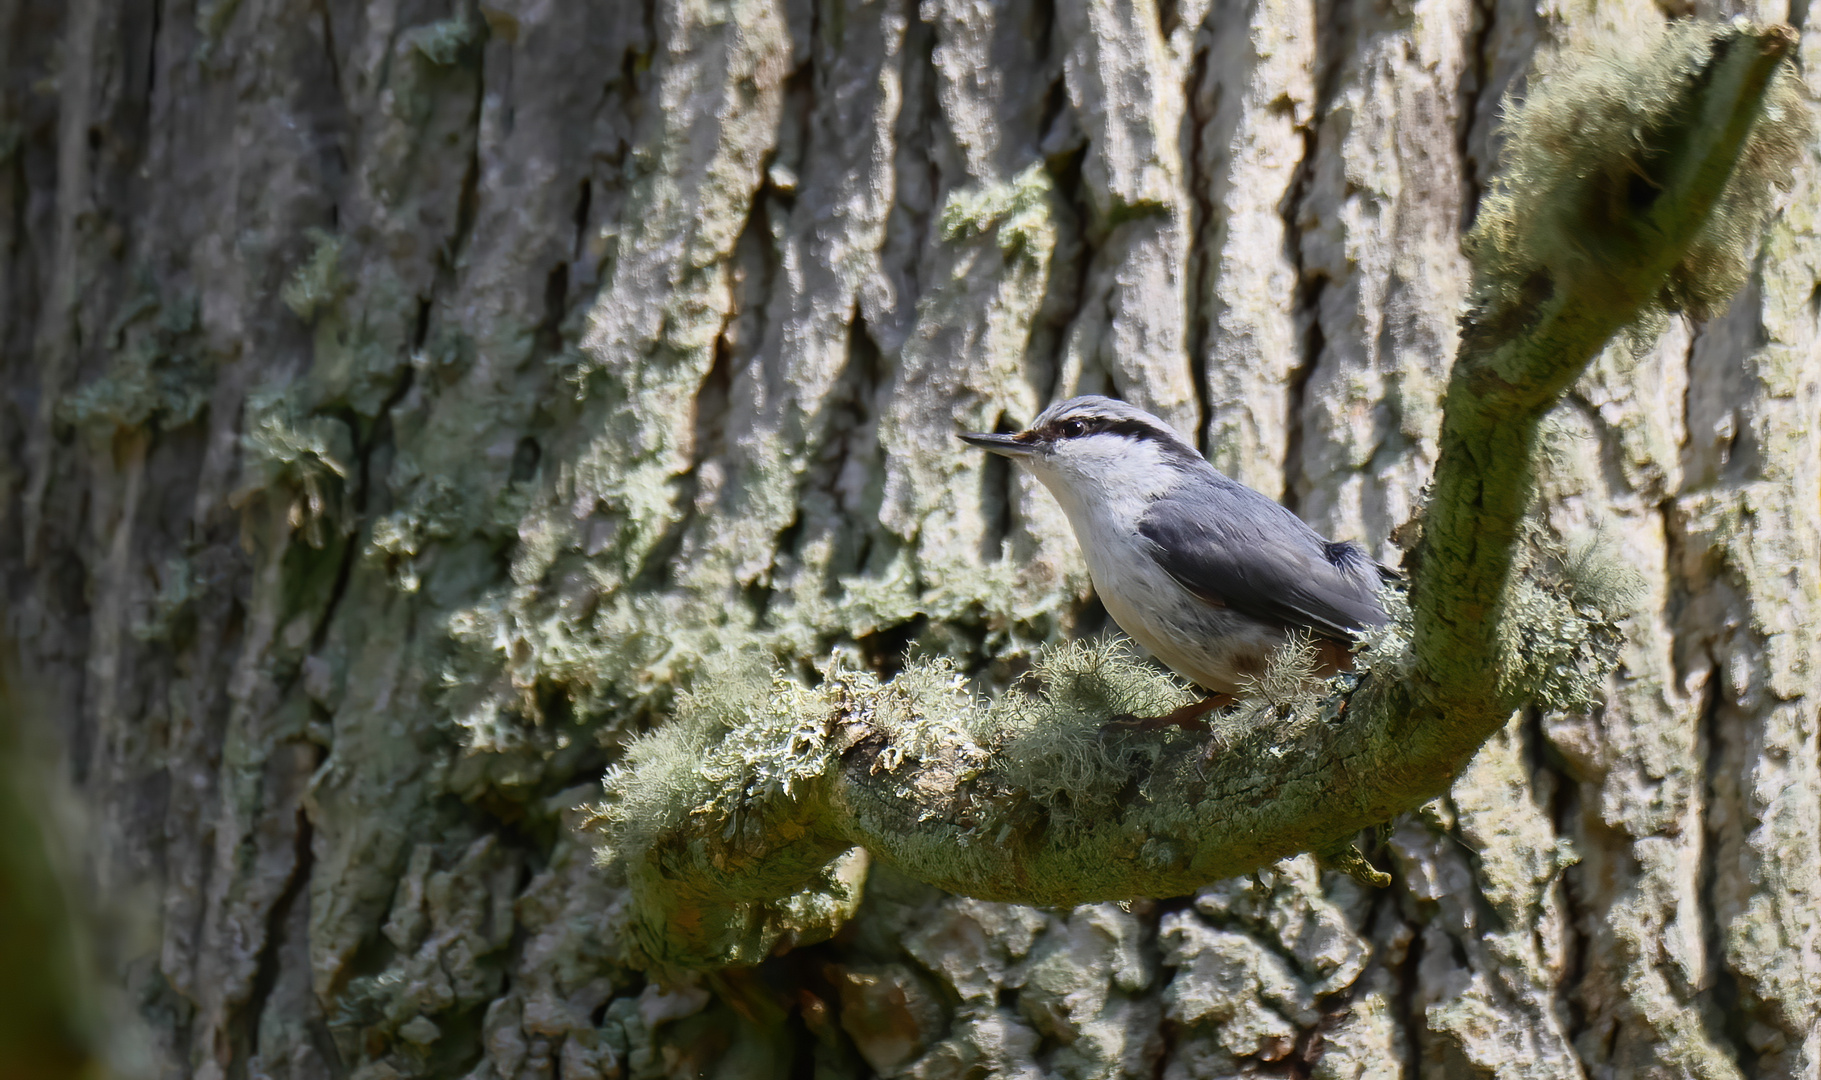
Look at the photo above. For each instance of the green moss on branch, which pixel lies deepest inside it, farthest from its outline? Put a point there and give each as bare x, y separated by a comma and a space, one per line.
1632, 181
741, 823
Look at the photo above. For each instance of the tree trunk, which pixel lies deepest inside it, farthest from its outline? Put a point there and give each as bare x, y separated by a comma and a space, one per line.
401, 398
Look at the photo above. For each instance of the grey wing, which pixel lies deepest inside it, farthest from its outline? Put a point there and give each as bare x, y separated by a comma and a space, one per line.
1265, 563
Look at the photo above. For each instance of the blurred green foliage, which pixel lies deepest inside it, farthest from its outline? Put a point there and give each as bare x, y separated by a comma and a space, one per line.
42, 1036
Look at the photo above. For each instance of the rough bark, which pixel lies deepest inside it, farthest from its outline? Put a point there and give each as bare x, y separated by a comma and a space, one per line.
399, 396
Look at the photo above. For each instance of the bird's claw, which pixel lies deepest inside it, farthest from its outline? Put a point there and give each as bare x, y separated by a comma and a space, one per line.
1190, 717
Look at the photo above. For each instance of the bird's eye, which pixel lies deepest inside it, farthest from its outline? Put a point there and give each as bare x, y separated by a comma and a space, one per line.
1071, 428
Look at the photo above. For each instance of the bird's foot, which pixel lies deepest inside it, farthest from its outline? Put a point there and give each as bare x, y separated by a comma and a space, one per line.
1190, 717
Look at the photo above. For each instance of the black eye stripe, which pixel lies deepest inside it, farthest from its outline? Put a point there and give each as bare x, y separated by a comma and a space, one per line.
1137, 429
1074, 427
1169, 445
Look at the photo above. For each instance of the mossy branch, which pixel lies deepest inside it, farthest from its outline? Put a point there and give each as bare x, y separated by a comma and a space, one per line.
1632, 185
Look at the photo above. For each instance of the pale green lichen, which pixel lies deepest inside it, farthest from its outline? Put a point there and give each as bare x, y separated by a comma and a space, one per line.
1561, 633
747, 736
1050, 730
1018, 209
436, 509
178, 588
1579, 153
316, 283
1564, 629
361, 334
362, 341
613, 649
741, 799
742, 754
745, 763
745, 754
144, 384
443, 42
309, 457
155, 376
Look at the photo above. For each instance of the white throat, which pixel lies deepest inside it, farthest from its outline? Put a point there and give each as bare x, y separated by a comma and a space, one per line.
1110, 477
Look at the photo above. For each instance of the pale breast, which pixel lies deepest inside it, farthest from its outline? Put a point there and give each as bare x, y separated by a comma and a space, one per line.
1212, 646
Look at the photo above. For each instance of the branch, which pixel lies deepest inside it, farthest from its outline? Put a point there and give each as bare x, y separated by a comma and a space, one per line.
1628, 188
744, 824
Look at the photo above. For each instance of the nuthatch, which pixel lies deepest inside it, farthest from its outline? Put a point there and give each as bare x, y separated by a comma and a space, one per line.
1206, 573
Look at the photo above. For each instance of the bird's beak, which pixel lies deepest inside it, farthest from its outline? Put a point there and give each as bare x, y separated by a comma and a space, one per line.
1005, 445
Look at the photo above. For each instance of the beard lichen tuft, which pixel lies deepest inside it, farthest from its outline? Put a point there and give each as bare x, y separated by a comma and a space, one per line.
1050, 733
711, 815
1582, 160
739, 823
1564, 627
